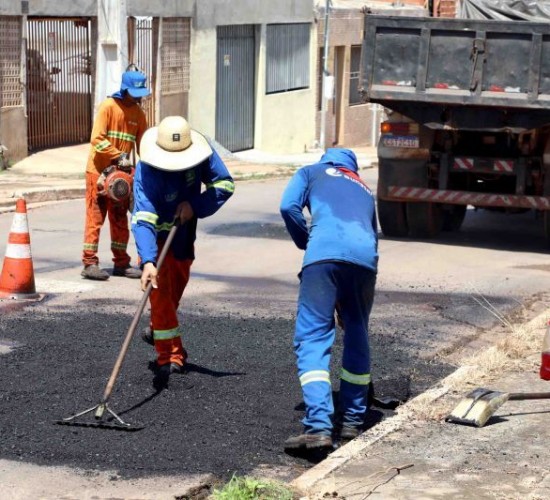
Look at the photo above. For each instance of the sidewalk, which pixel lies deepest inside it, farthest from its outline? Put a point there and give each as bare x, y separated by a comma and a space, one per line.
58, 174
417, 455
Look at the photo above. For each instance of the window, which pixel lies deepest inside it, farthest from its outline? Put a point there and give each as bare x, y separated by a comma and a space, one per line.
287, 57
176, 36
11, 94
354, 67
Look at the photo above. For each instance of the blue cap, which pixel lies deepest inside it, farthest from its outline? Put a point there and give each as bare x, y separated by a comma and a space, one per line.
135, 83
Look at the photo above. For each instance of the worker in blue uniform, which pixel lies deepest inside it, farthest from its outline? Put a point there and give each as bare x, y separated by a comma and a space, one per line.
338, 274
175, 162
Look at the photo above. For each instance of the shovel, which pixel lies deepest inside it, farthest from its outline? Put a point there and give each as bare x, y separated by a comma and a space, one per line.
116, 422
479, 405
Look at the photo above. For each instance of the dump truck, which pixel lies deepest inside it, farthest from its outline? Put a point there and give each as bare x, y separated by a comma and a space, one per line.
468, 119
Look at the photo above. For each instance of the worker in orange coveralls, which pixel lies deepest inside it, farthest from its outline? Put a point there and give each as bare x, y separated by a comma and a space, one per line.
175, 163
118, 128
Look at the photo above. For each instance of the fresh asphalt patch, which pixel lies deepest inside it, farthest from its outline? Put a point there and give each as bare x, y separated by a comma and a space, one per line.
231, 411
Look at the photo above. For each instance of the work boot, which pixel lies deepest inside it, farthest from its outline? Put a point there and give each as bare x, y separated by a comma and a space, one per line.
348, 433
169, 368
127, 272
309, 442
94, 272
162, 375
147, 336
176, 368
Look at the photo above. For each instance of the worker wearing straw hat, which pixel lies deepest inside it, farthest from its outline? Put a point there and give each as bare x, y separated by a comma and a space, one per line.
175, 162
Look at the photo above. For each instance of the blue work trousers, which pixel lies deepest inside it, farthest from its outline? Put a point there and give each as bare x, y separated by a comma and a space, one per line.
322, 286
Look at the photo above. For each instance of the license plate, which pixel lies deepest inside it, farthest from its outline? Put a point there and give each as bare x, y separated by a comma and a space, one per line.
401, 141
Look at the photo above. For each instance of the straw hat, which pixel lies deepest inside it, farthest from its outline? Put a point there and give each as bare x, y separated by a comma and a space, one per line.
173, 145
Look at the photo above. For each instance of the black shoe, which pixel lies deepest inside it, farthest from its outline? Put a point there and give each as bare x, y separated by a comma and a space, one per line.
176, 368
309, 441
147, 336
94, 272
127, 272
348, 433
162, 375
170, 368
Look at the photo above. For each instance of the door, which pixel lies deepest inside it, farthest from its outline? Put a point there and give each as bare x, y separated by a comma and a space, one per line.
59, 82
235, 72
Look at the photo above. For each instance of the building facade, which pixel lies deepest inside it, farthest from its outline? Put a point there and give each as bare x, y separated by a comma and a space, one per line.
242, 73
348, 120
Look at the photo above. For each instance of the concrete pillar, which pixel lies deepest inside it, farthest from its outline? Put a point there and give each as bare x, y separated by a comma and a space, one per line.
112, 48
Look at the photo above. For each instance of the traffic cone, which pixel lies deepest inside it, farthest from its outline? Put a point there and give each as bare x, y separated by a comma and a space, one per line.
17, 278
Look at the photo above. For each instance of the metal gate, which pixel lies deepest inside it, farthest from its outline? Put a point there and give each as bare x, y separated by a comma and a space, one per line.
59, 81
143, 45
235, 87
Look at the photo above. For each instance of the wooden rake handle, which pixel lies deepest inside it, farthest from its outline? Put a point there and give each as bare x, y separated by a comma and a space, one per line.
135, 320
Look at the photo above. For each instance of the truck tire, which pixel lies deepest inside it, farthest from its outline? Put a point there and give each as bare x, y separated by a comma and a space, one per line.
425, 219
453, 218
393, 221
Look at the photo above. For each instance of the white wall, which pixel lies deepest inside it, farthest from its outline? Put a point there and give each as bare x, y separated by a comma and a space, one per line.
285, 121
202, 93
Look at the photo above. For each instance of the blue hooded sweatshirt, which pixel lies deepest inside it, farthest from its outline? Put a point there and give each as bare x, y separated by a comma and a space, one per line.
343, 215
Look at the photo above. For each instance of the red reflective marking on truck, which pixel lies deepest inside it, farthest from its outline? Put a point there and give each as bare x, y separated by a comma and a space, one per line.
389, 82
503, 165
468, 198
496, 88
441, 85
463, 163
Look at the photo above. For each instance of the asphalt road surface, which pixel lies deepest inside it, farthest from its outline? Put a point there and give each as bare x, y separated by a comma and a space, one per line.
240, 399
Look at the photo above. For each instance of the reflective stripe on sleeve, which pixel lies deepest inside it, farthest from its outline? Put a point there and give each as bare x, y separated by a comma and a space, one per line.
165, 226
354, 378
224, 185
149, 217
100, 146
315, 376
166, 334
121, 135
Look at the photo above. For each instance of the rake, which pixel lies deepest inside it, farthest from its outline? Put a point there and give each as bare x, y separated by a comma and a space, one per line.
102, 409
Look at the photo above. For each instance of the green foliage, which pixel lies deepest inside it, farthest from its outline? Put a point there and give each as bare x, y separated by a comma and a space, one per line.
247, 488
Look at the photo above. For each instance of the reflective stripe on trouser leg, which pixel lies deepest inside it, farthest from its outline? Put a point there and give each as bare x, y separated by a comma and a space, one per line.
355, 297
312, 343
120, 232
172, 280
96, 212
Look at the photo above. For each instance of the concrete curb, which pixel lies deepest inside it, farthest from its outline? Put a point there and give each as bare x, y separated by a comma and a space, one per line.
405, 413
341, 456
35, 196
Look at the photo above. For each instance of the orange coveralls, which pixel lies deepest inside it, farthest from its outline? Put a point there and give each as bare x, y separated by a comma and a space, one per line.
119, 126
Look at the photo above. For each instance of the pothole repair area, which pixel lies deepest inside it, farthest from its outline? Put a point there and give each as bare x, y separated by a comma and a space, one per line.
229, 414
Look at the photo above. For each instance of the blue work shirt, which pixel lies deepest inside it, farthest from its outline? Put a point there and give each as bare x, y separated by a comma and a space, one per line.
157, 194
343, 215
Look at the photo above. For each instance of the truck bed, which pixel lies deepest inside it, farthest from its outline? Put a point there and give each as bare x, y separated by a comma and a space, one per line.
409, 63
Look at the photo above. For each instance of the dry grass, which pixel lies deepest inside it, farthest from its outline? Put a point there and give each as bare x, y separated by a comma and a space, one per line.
511, 352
